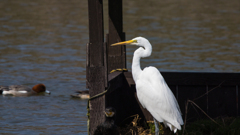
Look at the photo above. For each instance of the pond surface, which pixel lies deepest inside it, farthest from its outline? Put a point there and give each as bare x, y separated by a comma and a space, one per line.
45, 42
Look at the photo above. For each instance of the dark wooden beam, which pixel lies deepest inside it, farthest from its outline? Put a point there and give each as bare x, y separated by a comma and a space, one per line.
95, 73
116, 55
215, 93
123, 98
196, 78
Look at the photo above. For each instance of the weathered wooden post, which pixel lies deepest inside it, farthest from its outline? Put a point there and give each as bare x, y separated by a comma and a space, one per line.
95, 73
101, 59
116, 55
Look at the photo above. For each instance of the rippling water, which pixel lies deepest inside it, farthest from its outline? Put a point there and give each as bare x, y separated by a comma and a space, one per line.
187, 35
45, 42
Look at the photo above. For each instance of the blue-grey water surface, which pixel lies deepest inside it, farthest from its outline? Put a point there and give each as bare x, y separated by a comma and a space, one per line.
44, 41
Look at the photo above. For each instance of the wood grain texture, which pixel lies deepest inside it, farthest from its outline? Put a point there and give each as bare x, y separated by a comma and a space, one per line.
95, 69
97, 106
116, 54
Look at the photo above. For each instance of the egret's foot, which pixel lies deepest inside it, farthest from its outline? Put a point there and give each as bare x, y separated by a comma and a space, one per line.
156, 127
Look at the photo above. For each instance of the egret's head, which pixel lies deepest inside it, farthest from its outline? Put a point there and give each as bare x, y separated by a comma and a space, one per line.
109, 112
139, 41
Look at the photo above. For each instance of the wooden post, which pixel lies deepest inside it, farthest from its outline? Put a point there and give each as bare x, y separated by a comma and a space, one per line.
116, 55
95, 73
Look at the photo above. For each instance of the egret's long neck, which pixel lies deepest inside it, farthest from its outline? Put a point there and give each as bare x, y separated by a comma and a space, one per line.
138, 54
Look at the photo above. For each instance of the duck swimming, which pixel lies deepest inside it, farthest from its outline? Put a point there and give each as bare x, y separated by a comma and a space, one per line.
21, 90
81, 94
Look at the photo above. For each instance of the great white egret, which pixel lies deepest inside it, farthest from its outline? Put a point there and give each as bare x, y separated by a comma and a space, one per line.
152, 90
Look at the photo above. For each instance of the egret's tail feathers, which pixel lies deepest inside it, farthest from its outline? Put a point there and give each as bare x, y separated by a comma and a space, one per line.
172, 128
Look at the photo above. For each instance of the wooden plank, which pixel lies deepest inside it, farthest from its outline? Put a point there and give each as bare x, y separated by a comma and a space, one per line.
201, 78
129, 78
105, 64
115, 62
95, 74
87, 65
174, 89
117, 54
96, 31
192, 93
238, 101
113, 75
123, 98
222, 101
197, 78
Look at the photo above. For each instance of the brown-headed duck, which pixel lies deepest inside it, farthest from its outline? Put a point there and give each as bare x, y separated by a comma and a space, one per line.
21, 90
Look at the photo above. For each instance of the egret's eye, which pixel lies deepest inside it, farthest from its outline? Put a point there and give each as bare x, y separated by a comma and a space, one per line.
134, 41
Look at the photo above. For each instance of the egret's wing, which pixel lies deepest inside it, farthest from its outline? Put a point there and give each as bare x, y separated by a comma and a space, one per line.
155, 95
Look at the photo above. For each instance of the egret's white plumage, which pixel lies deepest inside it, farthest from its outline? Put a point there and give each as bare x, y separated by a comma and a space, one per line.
152, 90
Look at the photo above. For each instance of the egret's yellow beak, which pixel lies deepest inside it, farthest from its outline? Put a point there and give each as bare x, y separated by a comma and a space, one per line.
125, 42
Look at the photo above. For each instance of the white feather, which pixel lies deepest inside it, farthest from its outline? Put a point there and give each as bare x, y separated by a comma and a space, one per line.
155, 95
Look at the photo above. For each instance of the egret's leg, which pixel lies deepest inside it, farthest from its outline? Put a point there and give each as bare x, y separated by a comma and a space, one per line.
156, 127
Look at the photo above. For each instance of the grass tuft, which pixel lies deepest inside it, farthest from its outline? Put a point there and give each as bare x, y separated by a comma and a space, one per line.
227, 126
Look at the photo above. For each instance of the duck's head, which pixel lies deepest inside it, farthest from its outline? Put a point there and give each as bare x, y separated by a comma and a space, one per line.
109, 112
39, 88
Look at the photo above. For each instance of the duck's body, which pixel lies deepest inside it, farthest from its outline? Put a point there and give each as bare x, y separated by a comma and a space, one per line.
81, 94
21, 90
